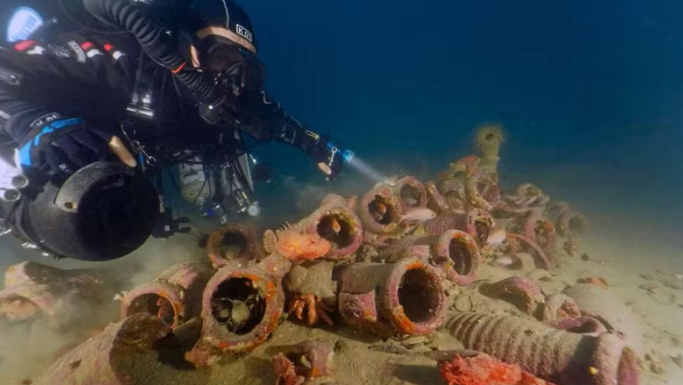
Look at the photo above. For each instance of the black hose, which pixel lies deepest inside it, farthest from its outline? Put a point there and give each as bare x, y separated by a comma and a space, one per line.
154, 41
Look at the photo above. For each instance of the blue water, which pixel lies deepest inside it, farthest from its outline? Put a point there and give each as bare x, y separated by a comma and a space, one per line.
590, 92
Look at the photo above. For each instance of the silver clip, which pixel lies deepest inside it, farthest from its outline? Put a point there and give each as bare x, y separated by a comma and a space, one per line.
334, 152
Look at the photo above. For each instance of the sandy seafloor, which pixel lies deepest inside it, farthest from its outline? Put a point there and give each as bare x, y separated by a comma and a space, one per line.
615, 254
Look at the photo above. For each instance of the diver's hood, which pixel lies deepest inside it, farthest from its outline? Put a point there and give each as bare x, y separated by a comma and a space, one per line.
102, 212
226, 14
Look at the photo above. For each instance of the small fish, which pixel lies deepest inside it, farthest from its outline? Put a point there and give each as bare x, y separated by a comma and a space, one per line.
410, 201
119, 296
504, 261
332, 230
497, 237
381, 208
420, 215
335, 226
593, 370
378, 210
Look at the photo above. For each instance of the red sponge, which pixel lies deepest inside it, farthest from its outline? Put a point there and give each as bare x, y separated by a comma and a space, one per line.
483, 369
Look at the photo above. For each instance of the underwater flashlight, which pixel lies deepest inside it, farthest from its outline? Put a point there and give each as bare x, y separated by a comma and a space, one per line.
347, 155
254, 209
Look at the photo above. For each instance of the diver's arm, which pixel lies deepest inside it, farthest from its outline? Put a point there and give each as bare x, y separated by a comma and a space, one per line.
70, 64
33, 83
48, 141
33, 75
266, 120
18, 117
35, 131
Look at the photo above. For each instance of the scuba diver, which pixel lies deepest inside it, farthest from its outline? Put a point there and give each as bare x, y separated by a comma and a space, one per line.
97, 97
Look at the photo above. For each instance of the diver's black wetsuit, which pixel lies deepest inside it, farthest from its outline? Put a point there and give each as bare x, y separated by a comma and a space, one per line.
92, 77
70, 89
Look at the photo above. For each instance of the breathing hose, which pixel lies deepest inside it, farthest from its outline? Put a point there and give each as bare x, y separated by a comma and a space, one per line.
154, 41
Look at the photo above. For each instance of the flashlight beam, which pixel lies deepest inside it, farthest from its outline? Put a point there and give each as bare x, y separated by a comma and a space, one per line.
368, 171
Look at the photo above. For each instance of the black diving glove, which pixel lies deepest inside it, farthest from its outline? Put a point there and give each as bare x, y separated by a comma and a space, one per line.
263, 119
66, 145
328, 157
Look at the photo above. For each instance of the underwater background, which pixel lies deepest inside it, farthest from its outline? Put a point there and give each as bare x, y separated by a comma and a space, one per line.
590, 94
